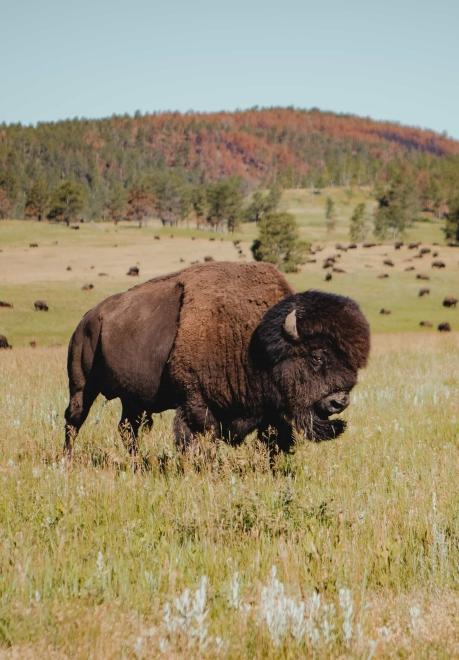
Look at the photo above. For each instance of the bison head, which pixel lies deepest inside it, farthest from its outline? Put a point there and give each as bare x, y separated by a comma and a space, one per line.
311, 346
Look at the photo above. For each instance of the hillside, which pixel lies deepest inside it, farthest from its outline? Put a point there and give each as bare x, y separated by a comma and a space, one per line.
297, 148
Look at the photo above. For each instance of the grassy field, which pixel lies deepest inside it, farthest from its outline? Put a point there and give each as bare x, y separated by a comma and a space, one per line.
101, 254
346, 549
362, 533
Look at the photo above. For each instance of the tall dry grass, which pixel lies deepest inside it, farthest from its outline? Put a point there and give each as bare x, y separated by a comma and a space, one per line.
348, 548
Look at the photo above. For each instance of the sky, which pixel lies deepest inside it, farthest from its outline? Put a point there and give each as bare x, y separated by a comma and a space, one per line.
395, 60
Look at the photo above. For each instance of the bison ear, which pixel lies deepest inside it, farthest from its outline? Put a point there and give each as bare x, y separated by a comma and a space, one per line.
290, 328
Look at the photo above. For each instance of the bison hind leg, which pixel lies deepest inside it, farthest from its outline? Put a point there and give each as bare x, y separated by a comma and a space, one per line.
133, 417
76, 412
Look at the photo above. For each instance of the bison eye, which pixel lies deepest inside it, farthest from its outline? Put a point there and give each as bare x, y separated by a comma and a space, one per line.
318, 358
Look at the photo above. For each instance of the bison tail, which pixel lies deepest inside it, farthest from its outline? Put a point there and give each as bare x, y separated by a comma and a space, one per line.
82, 350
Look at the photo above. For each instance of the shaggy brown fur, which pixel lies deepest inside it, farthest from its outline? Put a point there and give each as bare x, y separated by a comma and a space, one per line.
214, 342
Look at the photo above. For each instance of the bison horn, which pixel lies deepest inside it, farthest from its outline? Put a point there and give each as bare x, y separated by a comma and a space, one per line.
290, 325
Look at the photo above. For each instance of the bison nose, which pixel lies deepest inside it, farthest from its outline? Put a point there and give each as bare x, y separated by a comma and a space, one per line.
338, 402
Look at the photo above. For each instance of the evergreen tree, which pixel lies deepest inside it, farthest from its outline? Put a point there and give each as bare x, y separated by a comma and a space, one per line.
357, 224
199, 203
116, 204
279, 243
67, 201
5, 203
452, 221
171, 196
224, 200
330, 214
398, 205
8, 192
37, 200
139, 203
261, 204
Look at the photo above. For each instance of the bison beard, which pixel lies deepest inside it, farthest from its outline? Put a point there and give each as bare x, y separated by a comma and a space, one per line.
317, 429
229, 346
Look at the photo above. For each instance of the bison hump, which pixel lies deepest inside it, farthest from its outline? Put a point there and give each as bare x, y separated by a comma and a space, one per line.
222, 305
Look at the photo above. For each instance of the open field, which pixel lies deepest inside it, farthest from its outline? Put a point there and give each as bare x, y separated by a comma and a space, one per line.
28, 274
364, 531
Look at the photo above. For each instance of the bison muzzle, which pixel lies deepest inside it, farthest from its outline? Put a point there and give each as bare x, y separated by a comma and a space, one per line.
229, 346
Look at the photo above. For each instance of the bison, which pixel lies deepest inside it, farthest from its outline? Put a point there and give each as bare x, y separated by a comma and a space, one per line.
450, 301
444, 327
40, 306
4, 342
229, 346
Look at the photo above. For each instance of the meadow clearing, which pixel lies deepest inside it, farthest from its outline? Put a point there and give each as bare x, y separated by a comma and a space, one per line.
344, 549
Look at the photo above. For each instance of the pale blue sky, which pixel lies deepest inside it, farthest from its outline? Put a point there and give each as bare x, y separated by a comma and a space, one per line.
393, 59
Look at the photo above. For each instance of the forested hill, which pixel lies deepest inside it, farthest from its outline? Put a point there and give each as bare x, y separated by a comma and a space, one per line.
294, 147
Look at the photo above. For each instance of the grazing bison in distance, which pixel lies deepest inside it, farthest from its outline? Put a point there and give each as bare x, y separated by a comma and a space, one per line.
229, 346
4, 342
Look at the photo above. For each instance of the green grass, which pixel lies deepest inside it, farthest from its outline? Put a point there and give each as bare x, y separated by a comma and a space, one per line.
67, 304
90, 555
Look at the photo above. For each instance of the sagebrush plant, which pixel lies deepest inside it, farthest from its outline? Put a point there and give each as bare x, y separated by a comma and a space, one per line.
348, 548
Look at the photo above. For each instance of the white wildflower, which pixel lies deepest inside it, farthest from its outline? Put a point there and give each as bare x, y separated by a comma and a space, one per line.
328, 626
415, 615
347, 607
385, 632
234, 598
190, 615
100, 563
138, 646
273, 608
312, 629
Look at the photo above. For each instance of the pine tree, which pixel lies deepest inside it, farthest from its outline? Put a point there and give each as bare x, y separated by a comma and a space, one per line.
116, 204
8, 192
224, 200
452, 222
398, 205
139, 203
262, 204
171, 196
37, 200
279, 243
67, 201
357, 224
199, 203
330, 214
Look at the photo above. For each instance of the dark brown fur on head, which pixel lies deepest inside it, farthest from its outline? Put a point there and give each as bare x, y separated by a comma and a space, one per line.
319, 354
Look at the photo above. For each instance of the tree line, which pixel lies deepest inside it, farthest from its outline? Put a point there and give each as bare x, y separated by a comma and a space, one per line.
107, 158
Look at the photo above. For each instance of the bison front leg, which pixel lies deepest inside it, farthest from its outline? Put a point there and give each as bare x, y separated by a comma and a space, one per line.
277, 435
191, 420
182, 432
